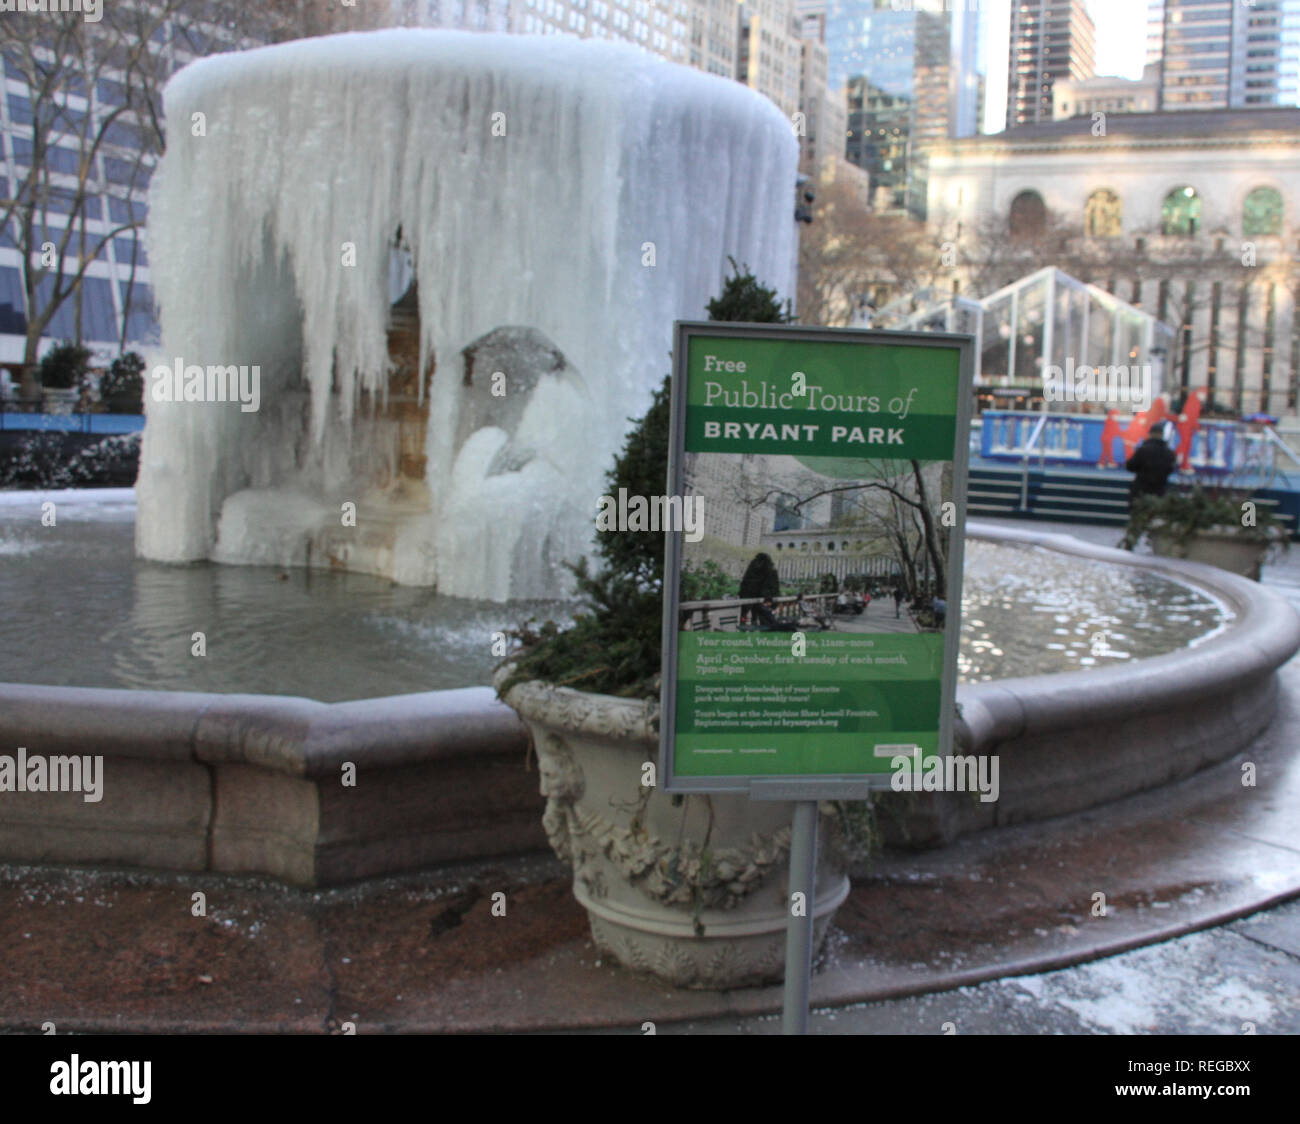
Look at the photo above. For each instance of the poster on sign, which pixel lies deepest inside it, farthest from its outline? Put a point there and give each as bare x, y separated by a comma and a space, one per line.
811, 620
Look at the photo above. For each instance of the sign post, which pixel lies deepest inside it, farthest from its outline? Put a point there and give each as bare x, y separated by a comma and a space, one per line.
812, 606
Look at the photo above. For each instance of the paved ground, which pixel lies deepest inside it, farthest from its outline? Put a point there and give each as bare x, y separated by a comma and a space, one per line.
878, 616
1239, 978
981, 935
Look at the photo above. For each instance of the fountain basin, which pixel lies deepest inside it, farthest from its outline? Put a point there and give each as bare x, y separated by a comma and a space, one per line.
254, 783
1077, 739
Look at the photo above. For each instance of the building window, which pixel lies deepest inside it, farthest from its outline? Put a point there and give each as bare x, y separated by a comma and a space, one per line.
1028, 215
1102, 215
1181, 214
1262, 214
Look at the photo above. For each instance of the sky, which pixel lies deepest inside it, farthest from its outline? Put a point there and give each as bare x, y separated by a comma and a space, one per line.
1121, 47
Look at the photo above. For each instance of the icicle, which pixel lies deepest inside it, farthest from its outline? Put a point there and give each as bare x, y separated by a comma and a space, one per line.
527, 176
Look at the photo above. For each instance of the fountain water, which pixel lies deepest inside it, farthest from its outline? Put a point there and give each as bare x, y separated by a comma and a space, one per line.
562, 202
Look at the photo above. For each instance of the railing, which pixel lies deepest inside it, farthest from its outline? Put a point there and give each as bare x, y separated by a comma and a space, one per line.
14, 420
1028, 451
1218, 447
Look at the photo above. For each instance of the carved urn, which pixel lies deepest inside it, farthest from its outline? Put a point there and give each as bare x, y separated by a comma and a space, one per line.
691, 889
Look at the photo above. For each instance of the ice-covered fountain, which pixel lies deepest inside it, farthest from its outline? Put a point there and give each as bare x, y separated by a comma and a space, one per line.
456, 260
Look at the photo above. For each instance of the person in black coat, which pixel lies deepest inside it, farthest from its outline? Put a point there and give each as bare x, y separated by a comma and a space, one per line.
1152, 463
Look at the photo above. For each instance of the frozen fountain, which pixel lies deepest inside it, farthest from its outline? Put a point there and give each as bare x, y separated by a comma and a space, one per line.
455, 260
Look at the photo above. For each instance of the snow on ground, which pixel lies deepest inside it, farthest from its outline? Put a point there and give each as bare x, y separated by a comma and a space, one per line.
83, 505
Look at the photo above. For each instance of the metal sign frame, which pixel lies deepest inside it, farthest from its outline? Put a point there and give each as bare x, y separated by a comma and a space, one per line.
817, 787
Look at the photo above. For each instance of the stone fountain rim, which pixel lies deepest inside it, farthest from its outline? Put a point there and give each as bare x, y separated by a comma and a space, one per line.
1263, 635
304, 737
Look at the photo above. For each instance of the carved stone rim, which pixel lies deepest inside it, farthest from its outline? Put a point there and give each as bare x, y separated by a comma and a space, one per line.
582, 712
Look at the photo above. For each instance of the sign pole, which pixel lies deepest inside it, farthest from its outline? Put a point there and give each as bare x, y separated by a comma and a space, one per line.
799, 927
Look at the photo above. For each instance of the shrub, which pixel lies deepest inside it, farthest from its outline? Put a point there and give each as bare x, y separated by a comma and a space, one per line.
614, 646
760, 578
123, 386
64, 366
1182, 514
707, 582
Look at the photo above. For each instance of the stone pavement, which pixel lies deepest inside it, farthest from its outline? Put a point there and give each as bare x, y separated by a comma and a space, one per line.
995, 934
878, 616
1239, 978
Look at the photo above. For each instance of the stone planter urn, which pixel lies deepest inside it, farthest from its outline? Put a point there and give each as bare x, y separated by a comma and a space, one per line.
1223, 547
691, 889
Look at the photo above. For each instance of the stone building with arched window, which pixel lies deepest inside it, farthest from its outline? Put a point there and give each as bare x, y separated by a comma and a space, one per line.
1193, 217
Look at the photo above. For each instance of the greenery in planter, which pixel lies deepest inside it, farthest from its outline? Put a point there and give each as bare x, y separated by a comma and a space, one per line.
614, 645
64, 366
1183, 514
123, 386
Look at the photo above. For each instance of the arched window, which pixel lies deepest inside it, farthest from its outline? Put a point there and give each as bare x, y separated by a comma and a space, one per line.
1262, 214
1181, 213
1028, 215
1102, 214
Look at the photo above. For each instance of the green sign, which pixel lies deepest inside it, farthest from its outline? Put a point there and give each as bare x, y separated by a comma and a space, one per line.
812, 604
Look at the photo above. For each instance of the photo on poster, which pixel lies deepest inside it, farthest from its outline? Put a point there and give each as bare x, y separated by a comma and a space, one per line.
816, 544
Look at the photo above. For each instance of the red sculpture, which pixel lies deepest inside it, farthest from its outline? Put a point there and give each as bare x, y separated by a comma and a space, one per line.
1108, 434
1136, 432
1187, 424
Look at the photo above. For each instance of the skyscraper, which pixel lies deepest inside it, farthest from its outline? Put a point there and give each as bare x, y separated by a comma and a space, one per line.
912, 80
1050, 40
1225, 54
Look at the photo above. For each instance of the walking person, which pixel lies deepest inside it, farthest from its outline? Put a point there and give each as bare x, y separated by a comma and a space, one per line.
1152, 463
898, 601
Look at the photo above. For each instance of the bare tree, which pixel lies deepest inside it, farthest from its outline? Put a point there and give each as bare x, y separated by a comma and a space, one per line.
906, 518
849, 254
992, 255
96, 127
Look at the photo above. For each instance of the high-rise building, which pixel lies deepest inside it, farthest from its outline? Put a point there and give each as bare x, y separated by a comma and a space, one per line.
1051, 41
769, 53
912, 80
1225, 54
825, 112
